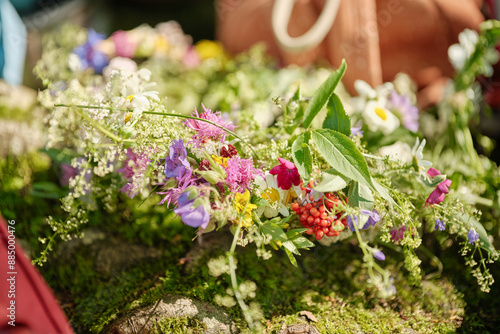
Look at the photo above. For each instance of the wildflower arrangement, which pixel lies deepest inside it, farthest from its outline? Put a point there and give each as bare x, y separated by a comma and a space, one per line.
326, 167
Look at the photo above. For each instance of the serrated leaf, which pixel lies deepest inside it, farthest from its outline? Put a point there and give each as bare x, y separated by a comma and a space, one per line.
331, 181
291, 257
342, 155
302, 155
360, 196
322, 95
336, 117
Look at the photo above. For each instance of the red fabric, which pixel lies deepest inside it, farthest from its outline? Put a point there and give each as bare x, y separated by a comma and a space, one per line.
36, 308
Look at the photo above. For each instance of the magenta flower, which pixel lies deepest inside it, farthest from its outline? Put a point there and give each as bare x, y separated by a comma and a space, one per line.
206, 131
288, 174
176, 163
438, 194
398, 234
134, 170
190, 215
240, 173
124, 47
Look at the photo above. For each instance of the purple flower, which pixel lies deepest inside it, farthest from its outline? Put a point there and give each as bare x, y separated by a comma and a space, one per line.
240, 173
172, 194
439, 225
88, 53
206, 131
373, 218
356, 131
473, 236
192, 216
134, 170
402, 105
287, 173
176, 163
398, 234
378, 254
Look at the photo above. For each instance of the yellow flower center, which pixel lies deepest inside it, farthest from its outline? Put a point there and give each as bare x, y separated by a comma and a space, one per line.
381, 113
271, 195
128, 116
130, 98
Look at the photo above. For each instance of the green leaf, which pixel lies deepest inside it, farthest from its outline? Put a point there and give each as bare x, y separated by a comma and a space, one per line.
291, 247
302, 155
302, 242
331, 181
336, 117
360, 196
342, 155
295, 232
294, 106
277, 234
383, 192
259, 201
291, 257
322, 95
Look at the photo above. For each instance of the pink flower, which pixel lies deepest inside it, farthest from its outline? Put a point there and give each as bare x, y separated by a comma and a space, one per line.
287, 174
134, 169
240, 173
206, 131
437, 196
124, 47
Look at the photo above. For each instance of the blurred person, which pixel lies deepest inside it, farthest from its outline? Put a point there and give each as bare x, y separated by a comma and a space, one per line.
378, 38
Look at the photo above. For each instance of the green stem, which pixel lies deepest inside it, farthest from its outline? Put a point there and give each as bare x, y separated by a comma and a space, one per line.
108, 133
203, 120
232, 269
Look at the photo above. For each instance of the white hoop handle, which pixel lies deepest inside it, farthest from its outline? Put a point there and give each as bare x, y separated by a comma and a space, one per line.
282, 11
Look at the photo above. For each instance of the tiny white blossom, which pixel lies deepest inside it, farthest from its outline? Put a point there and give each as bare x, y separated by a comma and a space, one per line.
377, 117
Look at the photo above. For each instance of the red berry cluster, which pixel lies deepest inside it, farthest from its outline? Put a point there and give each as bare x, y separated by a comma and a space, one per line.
228, 152
320, 217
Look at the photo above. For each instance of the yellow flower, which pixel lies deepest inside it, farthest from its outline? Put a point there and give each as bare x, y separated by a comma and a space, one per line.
220, 160
209, 49
240, 202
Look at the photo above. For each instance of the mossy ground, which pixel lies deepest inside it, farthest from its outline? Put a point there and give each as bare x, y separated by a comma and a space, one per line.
330, 281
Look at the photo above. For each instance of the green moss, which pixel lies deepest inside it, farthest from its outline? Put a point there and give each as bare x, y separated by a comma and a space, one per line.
185, 325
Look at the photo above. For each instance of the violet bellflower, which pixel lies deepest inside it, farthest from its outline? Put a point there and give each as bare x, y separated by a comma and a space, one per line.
439, 225
88, 53
373, 218
473, 236
402, 105
176, 162
193, 216
438, 194
288, 174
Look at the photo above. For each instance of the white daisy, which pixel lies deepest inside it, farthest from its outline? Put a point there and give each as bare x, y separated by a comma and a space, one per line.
377, 117
274, 195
